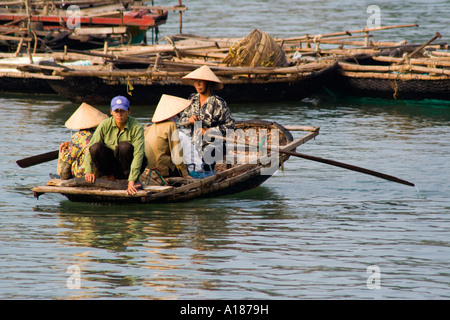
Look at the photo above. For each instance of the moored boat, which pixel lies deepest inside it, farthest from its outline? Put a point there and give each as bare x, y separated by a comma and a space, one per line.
46, 26
417, 75
145, 87
252, 165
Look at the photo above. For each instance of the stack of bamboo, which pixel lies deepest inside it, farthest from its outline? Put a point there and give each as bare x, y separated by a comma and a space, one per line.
418, 64
417, 73
344, 43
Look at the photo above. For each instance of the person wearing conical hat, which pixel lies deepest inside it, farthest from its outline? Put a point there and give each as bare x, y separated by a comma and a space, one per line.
208, 108
163, 149
71, 153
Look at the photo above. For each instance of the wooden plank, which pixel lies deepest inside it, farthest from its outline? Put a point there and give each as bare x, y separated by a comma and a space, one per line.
301, 128
15, 38
299, 141
391, 76
160, 8
422, 61
219, 71
342, 33
400, 68
100, 192
100, 30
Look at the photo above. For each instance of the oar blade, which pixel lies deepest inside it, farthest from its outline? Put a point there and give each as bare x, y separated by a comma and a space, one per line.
40, 158
351, 167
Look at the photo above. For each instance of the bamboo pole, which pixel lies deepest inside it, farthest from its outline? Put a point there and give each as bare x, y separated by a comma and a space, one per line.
391, 76
436, 36
422, 61
440, 54
349, 33
219, 71
399, 68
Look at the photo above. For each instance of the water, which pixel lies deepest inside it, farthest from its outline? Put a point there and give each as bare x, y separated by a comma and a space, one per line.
310, 232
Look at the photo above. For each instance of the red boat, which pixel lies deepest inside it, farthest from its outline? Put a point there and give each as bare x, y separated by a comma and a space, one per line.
80, 28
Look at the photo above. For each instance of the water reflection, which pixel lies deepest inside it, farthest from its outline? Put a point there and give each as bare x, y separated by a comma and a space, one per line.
161, 246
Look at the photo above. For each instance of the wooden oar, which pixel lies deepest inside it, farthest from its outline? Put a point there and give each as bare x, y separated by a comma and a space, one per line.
40, 158
334, 163
349, 167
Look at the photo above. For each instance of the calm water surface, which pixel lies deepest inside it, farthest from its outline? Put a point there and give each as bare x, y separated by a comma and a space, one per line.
310, 232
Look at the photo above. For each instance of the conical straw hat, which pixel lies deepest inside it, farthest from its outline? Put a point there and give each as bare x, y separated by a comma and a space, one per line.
202, 73
168, 106
85, 117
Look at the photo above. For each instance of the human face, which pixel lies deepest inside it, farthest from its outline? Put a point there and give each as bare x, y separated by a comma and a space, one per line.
201, 86
120, 117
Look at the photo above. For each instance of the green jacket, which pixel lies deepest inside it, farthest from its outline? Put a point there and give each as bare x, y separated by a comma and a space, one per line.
108, 133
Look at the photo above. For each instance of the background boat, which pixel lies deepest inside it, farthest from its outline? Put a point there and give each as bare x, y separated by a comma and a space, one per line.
45, 26
411, 73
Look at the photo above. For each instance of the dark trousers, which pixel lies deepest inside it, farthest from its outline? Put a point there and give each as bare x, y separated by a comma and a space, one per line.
117, 162
212, 153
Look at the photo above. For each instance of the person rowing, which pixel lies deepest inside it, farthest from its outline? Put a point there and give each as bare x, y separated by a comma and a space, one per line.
207, 112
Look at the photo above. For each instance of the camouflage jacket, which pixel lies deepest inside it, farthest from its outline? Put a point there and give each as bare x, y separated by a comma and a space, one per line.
214, 114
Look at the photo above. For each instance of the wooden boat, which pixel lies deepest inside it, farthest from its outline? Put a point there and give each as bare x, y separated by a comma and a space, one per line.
145, 87
18, 73
234, 178
51, 26
14, 80
144, 72
403, 77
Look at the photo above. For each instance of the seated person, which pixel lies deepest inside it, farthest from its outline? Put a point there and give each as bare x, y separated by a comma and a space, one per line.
71, 153
210, 110
116, 149
163, 149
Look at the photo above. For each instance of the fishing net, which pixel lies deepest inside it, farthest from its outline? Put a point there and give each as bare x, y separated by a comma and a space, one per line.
255, 50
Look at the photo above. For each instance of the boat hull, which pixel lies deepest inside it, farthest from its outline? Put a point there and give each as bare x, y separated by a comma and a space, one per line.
20, 83
391, 78
220, 190
395, 88
141, 91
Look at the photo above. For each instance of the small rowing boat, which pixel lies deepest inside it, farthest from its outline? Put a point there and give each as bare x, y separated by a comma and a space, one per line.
257, 149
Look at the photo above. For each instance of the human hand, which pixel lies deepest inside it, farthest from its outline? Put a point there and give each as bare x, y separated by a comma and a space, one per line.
131, 188
63, 146
90, 177
201, 131
192, 119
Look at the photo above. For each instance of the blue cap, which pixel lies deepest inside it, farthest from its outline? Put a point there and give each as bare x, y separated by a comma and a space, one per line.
120, 102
